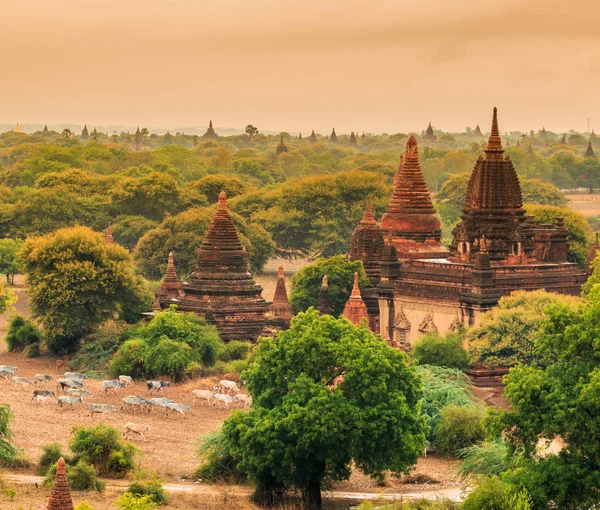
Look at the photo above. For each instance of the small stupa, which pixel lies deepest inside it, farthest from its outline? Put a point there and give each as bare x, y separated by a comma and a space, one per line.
210, 132
60, 497
312, 138
109, 237
170, 289
84, 133
353, 140
282, 309
355, 309
324, 305
281, 147
589, 152
333, 138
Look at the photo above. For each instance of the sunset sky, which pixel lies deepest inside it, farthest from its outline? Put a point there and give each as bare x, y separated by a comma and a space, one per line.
375, 66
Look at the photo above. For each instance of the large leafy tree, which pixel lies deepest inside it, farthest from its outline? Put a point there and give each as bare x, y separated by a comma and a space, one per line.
7, 451
76, 281
327, 394
9, 265
559, 399
306, 283
506, 334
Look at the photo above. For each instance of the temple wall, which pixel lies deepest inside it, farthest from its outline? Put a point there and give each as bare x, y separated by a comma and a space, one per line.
416, 312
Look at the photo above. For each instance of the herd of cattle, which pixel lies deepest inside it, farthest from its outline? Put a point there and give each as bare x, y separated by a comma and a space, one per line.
72, 387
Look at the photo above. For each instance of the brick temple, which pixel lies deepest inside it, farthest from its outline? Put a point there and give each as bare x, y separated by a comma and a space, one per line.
221, 289
496, 249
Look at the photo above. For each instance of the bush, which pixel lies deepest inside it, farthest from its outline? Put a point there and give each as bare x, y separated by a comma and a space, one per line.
103, 447
153, 488
130, 501
8, 453
129, 359
81, 477
51, 453
448, 351
170, 358
483, 459
491, 493
234, 350
97, 348
84, 505
220, 464
23, 335
459, 427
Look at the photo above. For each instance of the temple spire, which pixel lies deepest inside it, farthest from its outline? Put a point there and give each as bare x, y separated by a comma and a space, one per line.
323, 304
109, 237
222, 202
281, 305
170, 288
312, 138
333, 138
589, 152
494, 148
281, 147
355, 309
368, 216
60, 497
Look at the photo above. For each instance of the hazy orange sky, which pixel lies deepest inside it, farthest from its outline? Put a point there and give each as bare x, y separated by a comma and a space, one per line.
375, 66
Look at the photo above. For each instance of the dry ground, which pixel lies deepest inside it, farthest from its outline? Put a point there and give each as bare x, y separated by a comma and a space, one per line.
585, 203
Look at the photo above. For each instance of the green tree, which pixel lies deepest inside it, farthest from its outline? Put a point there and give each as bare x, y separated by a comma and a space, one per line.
9, 264
76, 281
559, 399
251, 130
303, 428
444, 351
506, 334
306, 283
127, 230
67, 133
7, 451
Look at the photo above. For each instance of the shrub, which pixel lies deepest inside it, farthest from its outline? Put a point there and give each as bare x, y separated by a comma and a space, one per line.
483, 459
234, 350
84, 505
448, 351
129, 359
23, 335
98, 347
130, 501
220, 464
153, 488
459, 427
170, 358
103, 447
51, 453
8, 453
81, 477
491, 493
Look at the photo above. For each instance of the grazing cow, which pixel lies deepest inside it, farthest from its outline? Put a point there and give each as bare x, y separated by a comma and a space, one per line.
6, 374
180, 408
60, 365
159, 402
157, 385
100, 409
112, 384
75, 375
228, 385
202, 395
228, 399
246, 399
136, 429
9, 368
41, 398
70, 401
126, 379
22, 380
133, 402
42, 393
69, 383
79, 392
42, 378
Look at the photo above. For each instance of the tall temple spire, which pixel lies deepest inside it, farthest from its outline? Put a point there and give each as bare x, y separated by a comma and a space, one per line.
589, 152
282, 309
60, 497
281, 147
355, 309
324, 305
210, 132
353, 140
300, 135
85, 133
410, 218
494, 148
477, 131
368, 217
45, 130
109, 237
170, 288
312, 138
564, 139
333, 138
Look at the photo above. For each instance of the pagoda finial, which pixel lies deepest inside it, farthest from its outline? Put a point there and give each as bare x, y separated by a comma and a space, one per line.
368, 216
210, 124
494, 147
222, 204
109, 237
412, 149
355, 288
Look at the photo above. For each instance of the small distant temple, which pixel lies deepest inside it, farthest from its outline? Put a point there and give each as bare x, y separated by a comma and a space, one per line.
324, 305
281, 147
333, 138
300, 136
138, 139
210, 133
282, 309
312, 138
589, 152
17, 128
45, 130
429, 136
221, 289
84, 133
109, 237
60, 496
477, 131
355, 310
564, 139
421, 287
353, 140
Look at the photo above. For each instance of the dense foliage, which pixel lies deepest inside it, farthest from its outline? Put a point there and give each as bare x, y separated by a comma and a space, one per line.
326, 395
443, 351
506, 334
23, 335
8, 452
76, 281
459, 427
306, 283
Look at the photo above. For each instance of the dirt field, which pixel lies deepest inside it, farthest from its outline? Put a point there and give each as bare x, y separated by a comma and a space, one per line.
585, 203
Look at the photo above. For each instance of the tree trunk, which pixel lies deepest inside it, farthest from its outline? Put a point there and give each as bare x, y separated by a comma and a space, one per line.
312, 495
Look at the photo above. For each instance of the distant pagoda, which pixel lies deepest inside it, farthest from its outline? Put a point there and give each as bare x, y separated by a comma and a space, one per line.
312, 138
353, 140
138, 139
333, 138
281, 147
593, 135
60, 496
221, 288
109, 237
210, 133
589, 152
300, 136
45, 130
282, 309
356, 310
324, 305
410, 219
564, 139
17, 128
84, 133
477, 131
429, 136
170, 289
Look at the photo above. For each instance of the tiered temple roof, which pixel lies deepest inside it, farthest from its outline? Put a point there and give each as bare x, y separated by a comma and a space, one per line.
410, 219
589, 152
170, 289
477, 131
333, 138
84, 133
367, 244
353, 140
355, 309
493, 219
45, 130
282, 309
210, 132
429, 136
324, 305
222, 283
109, 237
312, 138
281, 147
60, 497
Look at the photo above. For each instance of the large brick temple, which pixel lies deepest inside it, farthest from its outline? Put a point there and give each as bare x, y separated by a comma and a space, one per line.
421, 287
